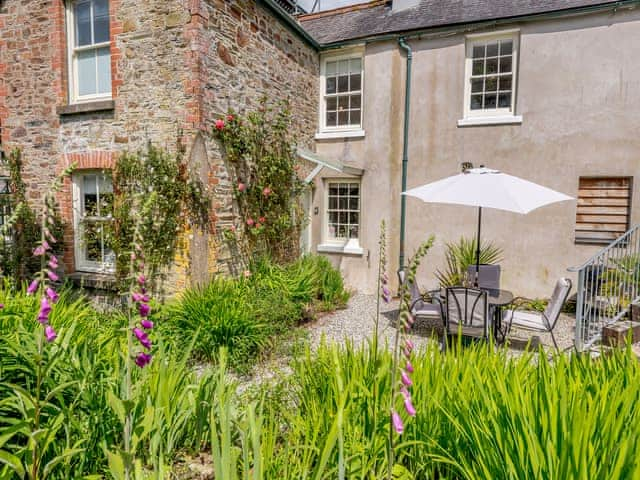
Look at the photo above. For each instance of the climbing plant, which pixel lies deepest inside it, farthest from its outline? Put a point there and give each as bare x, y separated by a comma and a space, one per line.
155, 194
260, 153
21, 231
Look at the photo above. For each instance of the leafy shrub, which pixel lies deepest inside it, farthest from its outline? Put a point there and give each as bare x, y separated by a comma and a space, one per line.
244, 315
461, 255
218, 314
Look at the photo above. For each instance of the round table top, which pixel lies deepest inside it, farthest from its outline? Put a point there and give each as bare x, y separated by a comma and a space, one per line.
497, 297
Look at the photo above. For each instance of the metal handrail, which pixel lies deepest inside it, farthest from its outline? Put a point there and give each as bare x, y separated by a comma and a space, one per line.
608, 283
603, 250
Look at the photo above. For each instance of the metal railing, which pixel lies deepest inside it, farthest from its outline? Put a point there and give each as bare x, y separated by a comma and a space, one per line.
607, 285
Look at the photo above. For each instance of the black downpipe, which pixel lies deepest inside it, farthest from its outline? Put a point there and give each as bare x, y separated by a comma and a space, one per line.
405, 147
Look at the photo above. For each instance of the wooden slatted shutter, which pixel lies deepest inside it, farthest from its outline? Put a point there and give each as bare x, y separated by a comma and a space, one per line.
604, 205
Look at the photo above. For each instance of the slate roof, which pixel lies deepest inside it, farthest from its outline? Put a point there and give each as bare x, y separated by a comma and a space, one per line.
377, 18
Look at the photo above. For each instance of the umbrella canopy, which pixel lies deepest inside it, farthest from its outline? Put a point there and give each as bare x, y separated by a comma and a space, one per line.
487, 188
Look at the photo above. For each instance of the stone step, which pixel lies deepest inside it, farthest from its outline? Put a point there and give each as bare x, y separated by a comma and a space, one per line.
616, 334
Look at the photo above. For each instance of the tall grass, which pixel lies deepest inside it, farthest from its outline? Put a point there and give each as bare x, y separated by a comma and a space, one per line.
245, 315
480, 413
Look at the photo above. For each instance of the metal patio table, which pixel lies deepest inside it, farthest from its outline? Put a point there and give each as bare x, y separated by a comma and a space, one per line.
497, 298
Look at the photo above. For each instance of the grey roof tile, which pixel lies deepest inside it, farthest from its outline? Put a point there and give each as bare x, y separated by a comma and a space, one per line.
377, 18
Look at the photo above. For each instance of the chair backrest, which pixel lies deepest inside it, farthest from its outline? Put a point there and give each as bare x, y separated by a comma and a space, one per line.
559, 296
488, 276
414, 291
467, 312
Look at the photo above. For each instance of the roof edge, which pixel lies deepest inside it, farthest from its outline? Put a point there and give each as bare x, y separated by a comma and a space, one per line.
291, 22
476, 25
340, 10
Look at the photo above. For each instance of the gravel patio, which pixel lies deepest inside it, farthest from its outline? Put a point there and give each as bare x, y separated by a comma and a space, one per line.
355, 323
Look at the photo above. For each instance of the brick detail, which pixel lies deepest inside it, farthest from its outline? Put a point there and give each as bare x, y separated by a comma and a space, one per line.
57, 13
84, 161
115, 28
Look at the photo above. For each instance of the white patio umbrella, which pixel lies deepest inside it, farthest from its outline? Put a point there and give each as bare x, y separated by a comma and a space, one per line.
486, 188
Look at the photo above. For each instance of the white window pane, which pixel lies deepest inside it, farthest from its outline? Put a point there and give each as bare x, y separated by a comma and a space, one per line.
354, 118
356, 65
332, 68
478, 51
104, 70
476, 102
82, 14
89, 196
355, 82
343, 83
504, 100
492, 49
506, 47
355, 101
343, 66
86, 72
505, 64
331, 85
101, 29
101, 8
332, 117
343, 102
478, 67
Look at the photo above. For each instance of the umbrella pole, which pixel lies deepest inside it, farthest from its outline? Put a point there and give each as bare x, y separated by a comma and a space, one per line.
475, 282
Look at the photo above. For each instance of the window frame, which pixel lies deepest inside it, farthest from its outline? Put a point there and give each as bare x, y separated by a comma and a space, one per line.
82, 264
72, 52
337, 130
497, 113
327, 239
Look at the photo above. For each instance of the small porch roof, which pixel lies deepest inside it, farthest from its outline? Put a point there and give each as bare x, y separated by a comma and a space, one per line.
323, 162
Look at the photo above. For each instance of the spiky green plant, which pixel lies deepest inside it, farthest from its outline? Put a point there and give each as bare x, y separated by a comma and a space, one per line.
461, 255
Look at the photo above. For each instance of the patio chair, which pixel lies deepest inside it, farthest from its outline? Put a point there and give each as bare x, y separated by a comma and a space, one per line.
543, 322
467, 313
488, 276
419, 304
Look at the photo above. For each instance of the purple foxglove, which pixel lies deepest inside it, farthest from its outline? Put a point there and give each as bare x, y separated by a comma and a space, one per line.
146, 298
410, 319
405, 393
144, 310
52, 265
146, 324
137, 297
405, 379
52, 276
50, 333
385, 278
33, 286
409, 367
411, 411
409, 345
397, 422
39, 251
143, 359
1, 306
407, 353
141, 280
46, 246
52, 294
143, 338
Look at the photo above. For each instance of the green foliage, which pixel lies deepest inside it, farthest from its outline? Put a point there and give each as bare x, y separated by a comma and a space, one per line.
260, 151
244, 315
21, 231
461, 255
480, 414
153, 189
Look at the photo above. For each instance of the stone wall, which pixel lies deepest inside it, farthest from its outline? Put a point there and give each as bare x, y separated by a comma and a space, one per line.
176, 66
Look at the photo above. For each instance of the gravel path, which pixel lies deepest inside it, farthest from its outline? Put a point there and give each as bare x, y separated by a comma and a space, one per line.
356, 324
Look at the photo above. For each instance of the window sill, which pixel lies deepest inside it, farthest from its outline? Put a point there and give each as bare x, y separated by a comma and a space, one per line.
98, 281
480, 121
340, 134
88, 107
341, 249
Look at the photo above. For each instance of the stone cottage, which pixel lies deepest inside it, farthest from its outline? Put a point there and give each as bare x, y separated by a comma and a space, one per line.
542, 90
83, 80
